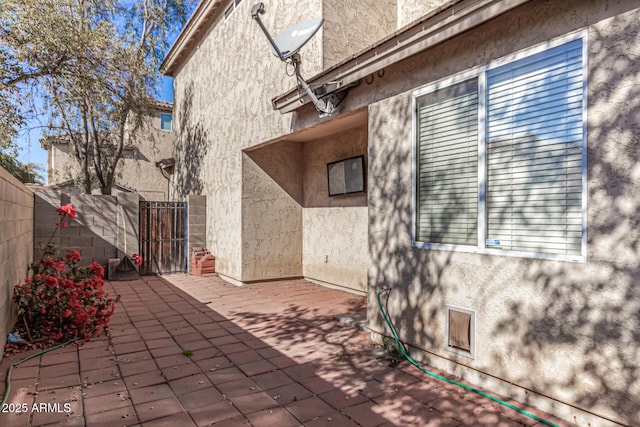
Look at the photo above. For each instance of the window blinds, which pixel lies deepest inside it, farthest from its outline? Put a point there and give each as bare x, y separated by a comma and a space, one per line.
534, 152
447, 165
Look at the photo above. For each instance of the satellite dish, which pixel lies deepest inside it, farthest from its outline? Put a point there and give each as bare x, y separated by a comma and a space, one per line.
291, 40
286, 46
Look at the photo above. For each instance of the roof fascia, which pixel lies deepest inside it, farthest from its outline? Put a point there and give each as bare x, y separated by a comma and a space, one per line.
433, 29
197, 23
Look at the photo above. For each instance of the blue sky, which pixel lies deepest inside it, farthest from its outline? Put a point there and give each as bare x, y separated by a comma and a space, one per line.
29, 144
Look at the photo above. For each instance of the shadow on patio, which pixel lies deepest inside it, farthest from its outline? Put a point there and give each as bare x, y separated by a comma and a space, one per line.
268, 354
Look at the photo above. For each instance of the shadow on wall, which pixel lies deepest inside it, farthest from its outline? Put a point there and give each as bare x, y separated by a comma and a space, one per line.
105, 226
573, 328
190, 149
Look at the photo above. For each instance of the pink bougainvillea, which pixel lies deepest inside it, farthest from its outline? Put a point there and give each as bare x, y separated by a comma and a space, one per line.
61, 300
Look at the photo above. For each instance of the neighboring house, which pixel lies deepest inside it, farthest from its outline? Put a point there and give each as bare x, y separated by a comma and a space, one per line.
500, 140
144, 168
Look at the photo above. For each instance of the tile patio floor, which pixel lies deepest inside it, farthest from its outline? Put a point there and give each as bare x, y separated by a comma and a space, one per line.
267, 354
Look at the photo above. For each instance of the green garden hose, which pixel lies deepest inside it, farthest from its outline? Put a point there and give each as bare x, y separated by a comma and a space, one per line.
450, 381
40, 353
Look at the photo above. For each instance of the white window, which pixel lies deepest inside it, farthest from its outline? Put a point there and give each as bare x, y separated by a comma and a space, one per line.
166, 121
499, 161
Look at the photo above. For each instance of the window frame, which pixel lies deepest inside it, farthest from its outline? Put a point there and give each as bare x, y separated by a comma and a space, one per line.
480, 73
171, 122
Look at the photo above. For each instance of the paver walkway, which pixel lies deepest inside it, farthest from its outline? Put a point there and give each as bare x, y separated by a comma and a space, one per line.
268, 354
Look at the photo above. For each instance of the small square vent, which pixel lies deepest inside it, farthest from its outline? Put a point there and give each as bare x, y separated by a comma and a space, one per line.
460, 331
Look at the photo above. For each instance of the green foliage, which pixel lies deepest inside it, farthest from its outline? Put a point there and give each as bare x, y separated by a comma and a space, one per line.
188, 353
92, 64
26, 173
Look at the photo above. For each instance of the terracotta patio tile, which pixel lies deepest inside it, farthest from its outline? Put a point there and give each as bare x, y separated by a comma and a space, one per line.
90, 353
145, 379
175, 372
332, 419
214, 363
56, 358
158, 409
106, 361
93, 405
58, 370
258, 367
289, 393
166, 351
199, 344
132, 368
299, 372
129, 347
103, 388
189, 384
216, 413
206, 353
253, 402
121, 339
172, 360
282, 361
225, 340
58, 382
238, 388
276, 417
114, 417
156, 334
47, 415
364, 414
98, 375
160, 343
272, 379
339, 400
26, 372
181, 420
200, 398
147, 394
220, 376
309, 408
316, 384
72, 421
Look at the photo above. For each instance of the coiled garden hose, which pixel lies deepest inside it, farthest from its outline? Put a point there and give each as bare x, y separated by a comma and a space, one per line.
450, 381
40, 353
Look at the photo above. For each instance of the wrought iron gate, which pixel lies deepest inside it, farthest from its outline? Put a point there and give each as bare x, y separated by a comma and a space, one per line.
163, 237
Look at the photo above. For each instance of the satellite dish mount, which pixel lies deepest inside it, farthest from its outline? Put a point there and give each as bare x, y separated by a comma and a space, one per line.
286, 47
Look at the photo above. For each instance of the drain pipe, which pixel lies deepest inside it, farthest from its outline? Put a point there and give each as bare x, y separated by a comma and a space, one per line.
450, 381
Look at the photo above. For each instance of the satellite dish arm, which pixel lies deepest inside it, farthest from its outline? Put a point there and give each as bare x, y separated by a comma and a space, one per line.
320, 105
256, 11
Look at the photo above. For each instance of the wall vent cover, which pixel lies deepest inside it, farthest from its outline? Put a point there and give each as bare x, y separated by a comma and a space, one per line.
460, 331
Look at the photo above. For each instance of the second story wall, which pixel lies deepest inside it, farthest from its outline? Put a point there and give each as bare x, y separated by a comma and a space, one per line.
348, 26
411, 10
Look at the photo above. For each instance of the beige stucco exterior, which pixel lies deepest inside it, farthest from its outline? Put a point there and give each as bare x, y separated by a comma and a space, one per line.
137, 169
559, 335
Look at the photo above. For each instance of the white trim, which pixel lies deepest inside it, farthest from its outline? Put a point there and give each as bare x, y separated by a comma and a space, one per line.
472, 331
585, 91
480, 73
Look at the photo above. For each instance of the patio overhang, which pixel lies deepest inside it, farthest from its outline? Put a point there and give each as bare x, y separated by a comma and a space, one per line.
442, 24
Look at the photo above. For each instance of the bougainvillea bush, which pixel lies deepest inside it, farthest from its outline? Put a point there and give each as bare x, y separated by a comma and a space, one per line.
62, 300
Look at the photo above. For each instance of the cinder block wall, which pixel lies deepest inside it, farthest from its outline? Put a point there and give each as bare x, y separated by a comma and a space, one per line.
105, 227
16, 244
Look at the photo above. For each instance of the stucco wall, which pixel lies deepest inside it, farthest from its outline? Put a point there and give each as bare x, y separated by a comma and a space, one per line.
565, 330
411, 10
352, 25
16, 244
334, 242
222, 98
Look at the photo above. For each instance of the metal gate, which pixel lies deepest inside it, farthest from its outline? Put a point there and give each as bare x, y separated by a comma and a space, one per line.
163, 237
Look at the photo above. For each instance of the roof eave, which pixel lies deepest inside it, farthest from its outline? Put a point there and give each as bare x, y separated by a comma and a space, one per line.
197, 23
445, 23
